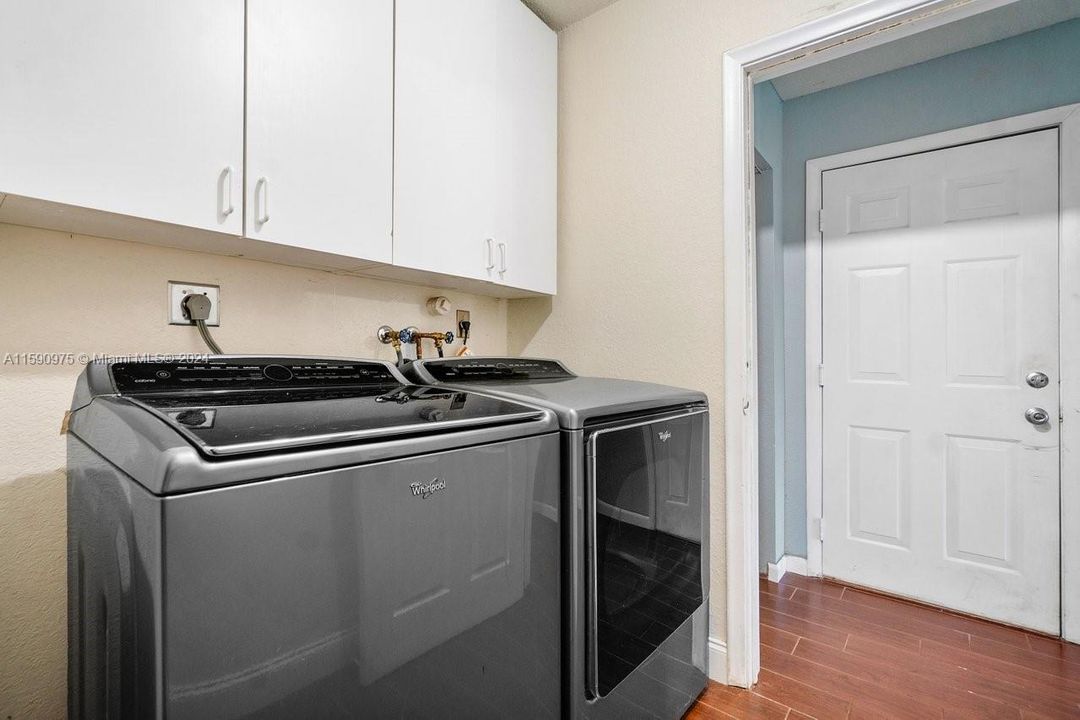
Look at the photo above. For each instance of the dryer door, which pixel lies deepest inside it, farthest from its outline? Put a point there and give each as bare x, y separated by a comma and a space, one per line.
644, 528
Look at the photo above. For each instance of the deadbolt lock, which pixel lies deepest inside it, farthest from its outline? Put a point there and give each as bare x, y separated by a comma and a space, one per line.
1037, 380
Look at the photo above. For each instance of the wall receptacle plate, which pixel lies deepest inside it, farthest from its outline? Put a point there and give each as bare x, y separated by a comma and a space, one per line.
179, 290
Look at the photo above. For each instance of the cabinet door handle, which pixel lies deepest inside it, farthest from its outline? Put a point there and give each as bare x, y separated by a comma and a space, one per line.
502, 257
225, 192
262, 200
490, 254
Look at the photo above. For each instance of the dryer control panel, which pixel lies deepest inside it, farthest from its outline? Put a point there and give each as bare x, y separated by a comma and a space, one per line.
496, 370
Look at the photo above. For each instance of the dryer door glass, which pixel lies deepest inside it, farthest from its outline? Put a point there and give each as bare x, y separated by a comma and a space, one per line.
645, 520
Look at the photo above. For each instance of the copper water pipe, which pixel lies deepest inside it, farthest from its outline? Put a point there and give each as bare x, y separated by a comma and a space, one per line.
438, 337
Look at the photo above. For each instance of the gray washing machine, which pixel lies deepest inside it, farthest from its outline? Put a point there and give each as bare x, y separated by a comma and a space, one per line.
635, 467
298, 538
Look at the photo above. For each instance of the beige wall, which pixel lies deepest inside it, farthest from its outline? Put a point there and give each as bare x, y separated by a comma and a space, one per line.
640, 290
60, 293
640, 213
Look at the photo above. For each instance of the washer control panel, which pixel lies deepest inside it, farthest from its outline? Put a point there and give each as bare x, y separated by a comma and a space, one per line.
133, 378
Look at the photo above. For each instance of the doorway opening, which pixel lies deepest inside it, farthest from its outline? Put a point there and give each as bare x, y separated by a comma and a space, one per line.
933, 286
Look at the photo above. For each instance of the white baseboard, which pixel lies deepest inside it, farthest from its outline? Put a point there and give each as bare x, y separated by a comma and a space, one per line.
718, 660
787, 564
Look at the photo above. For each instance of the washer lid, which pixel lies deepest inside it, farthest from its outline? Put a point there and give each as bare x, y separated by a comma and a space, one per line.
246, 422
232, 406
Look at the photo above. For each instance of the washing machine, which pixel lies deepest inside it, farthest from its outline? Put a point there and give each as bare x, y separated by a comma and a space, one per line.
272, 537
634, 501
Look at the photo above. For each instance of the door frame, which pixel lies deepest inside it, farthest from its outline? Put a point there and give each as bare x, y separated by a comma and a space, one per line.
1066, 120
736, 659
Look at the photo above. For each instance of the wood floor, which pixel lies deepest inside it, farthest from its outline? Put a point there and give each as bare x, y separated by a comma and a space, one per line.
830, 651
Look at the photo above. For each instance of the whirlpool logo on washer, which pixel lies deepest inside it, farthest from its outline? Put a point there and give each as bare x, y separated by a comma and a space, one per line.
426, 490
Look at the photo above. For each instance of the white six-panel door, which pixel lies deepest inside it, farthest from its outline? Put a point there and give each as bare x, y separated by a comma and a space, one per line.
320, 95
940, 296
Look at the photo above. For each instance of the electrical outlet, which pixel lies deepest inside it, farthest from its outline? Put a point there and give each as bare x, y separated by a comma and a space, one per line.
462, 316
180, 290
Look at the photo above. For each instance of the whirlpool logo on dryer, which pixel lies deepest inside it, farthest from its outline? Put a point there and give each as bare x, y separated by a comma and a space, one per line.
426, 490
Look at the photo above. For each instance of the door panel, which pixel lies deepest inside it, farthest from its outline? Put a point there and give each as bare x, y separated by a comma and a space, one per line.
980, 479
320, 125
880, 485
940, 295
981, 302
880, 324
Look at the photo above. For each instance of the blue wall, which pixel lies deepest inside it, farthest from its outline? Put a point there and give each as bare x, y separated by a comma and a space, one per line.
768, 138
1029, 72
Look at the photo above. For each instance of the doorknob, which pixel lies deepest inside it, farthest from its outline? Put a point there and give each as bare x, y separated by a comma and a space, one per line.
1037, 416
1037, 380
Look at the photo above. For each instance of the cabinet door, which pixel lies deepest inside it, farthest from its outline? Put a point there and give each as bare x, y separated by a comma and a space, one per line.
444, 148
129, 106
320, 124
527, 152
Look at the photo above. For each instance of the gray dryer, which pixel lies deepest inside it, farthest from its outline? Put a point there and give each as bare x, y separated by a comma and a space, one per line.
635, 466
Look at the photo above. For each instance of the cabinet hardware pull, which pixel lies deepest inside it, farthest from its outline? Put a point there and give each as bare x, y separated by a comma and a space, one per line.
502, 257
225, 180
490, 254
262, 198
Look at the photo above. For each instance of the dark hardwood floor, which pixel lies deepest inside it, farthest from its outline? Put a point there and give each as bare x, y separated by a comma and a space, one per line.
830, 651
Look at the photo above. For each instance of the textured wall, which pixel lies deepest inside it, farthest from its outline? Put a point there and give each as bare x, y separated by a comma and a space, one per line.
63, 293
1021, 74
640, 211
640, 289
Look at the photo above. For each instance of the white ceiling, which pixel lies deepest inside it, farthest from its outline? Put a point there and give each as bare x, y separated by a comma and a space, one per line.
997, 24
560, 13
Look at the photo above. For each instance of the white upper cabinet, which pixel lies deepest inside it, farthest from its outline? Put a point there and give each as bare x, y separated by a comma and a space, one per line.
348, 134
526, 150
128, 106
444, 151
320, 125
475, 141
